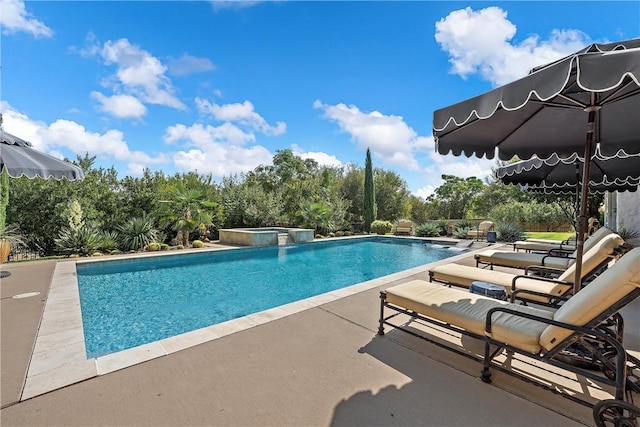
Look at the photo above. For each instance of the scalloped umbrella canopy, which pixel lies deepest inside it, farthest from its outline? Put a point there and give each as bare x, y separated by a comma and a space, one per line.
18, 158
544, 113
562, 176
568, 107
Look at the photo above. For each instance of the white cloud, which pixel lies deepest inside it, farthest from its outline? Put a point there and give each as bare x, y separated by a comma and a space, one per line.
200, 135
15, 18
389, 137
216, 150
473, 49
241, 113
74, 137
121, 106
188, 64
320, 157
140, 78
141, 74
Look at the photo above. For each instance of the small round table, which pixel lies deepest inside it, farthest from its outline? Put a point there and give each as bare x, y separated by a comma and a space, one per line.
488, 289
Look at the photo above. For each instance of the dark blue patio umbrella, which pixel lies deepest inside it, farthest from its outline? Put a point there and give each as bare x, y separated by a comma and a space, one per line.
569, 107
564, 176
18, 158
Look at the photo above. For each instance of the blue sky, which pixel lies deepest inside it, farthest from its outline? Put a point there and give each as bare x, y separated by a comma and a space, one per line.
218, 87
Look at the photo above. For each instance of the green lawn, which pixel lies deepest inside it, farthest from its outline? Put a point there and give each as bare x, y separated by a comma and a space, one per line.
548, 235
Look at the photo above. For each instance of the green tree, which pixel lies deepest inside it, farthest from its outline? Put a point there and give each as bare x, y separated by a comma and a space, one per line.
456, 196
4, 197
391, 195
418, 211
187, 211
351, 187
369, 209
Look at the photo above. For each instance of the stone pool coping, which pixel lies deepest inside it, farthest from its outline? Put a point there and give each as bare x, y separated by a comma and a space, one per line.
59, 355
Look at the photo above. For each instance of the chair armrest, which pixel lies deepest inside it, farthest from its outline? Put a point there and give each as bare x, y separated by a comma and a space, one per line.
543, 269
515, 295
544, 258
541, 279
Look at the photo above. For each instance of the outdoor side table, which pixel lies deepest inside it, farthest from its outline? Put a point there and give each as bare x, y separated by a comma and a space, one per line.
488, 289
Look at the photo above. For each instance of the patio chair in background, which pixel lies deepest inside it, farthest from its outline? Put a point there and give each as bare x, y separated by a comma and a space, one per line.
544, 290
524, 260
404, 227
590, 319
481, 230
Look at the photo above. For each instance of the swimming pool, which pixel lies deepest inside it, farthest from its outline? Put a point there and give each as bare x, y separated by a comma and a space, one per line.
129, 302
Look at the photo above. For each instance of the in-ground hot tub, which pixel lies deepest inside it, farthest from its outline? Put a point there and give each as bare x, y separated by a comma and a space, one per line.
267, 236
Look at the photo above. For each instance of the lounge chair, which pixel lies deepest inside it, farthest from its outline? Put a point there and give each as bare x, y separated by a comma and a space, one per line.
542, 245
548, 291
524, 260
590, 319
481, 231
404, 227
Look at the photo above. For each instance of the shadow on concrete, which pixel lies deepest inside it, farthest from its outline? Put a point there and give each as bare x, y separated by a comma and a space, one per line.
438, 394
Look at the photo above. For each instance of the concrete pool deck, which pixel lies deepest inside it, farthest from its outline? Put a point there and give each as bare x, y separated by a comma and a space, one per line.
322, 365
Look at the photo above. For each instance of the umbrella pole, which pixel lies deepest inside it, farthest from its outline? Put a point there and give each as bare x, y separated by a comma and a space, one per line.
586, 173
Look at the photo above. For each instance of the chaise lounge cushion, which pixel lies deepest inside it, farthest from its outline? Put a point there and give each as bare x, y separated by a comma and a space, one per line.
468, 311
464, 275
596, 297
592, 259
524, 260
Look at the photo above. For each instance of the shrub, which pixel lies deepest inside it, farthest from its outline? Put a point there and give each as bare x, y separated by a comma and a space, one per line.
339, 233
332, 234
348, 233
197, 244
381, 227
137, 233
153, 247
319, 236
465, 223
96, 254
444, 227
628, 235
461, 232
180, 247
108, 241
509, 231
164, 247
115, 252
428, 229
82, 241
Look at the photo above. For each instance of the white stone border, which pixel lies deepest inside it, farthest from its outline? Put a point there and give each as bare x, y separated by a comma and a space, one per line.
59, 356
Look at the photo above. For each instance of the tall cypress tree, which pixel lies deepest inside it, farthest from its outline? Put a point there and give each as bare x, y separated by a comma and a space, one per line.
369, 211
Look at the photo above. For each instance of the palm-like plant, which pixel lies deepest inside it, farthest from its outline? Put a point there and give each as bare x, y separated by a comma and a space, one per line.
137, 233
315, 215
186, 211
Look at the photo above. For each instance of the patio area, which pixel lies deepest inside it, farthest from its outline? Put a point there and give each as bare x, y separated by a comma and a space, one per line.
321, 366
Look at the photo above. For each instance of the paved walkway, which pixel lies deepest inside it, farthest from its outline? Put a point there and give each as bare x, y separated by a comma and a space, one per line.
322, 366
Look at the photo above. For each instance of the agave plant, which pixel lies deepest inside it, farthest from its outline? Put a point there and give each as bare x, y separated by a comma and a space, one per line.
9, 237
509, 232
137, 233
109, 241
82, 241
428, 229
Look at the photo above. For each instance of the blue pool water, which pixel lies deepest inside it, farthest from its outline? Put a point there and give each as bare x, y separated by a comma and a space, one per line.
129, 302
